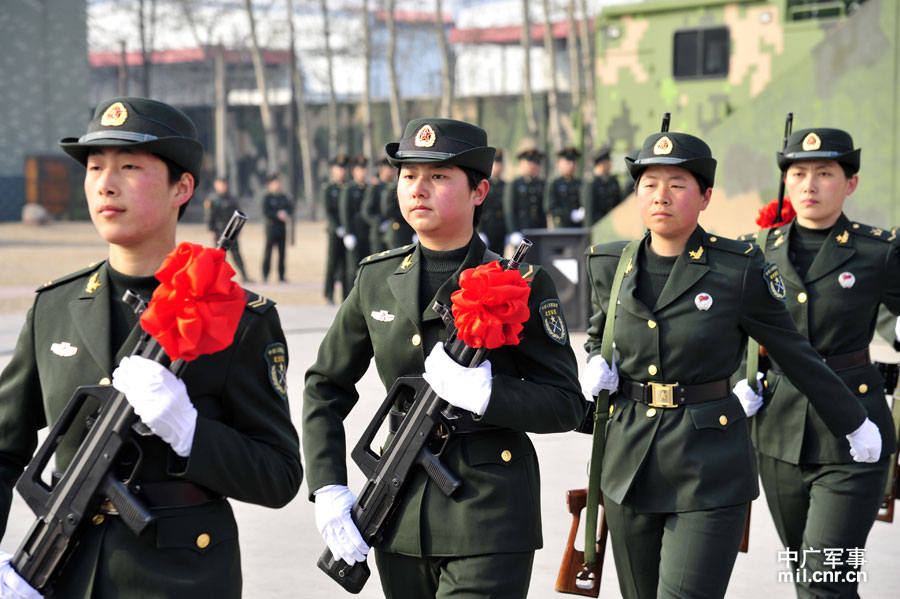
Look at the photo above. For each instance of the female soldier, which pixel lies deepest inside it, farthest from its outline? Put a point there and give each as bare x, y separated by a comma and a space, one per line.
678, 469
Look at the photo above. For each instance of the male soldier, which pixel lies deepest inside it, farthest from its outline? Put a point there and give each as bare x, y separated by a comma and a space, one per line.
329, 198
277, 209
371, 206
492, 225
480, 541
562, 195
356, 237
523, 199
603, 193
397, 232
222, 430
836, 273
218, 207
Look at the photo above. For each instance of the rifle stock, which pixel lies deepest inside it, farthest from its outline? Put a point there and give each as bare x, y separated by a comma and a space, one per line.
892, 490
575, 576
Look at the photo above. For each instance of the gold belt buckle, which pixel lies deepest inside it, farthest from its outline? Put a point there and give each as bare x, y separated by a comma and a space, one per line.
663, 395
108, 508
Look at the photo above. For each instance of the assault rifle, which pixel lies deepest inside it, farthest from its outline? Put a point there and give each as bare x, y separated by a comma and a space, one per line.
388, 473
571, 578
65, 508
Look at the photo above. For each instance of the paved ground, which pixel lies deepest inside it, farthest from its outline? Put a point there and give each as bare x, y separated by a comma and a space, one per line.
280, 547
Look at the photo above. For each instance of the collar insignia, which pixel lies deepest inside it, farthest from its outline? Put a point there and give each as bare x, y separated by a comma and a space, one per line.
778, 242
696, 254
843, 237
877, 232
64, 349
93, 283
115, 115
629, 267
407, 262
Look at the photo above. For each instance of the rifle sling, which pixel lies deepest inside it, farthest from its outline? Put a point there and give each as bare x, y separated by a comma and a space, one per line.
752, 344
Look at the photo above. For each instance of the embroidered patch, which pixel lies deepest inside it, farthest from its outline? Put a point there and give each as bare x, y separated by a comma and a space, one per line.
63, 349
774, 282
553, 321
276, 364
382, 315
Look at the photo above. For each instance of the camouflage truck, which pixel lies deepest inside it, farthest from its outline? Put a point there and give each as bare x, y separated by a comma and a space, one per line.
730, 70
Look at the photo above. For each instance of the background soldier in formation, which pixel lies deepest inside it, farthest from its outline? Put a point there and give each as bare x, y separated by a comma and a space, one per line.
336, 253
218, 207
493, 225
356, 229
371, 206
603, 193
837, 273
523, 198
562, 197
397, 232
277, 209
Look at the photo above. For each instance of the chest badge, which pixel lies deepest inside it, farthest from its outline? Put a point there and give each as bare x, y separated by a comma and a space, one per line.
703, 301
63, 349
382, 315
847, 280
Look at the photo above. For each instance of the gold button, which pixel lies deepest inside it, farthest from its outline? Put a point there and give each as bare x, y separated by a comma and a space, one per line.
766, 384
723, 419
855, 225
417, 340
105, 381
506, 455
651, 412
203, 541
651, 324
801, 297
713, 239
97, 519
652, 369
863, 388
611, 408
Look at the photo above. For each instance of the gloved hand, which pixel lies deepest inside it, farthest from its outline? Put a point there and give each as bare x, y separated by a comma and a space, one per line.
350, 241
340, 231
13, 586
160, 399
598, 375
865, 442
333, 503
750, 399
577, 215
466, 388
515, 238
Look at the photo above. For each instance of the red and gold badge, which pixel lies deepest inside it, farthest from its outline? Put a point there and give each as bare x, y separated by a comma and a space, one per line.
425, 137
811, 142
663, 146
115, 115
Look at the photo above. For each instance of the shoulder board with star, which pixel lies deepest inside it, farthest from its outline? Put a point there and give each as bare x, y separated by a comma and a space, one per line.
871, 232
377, 257
614, 248
256, 302
70, 277
748, 237
733, 246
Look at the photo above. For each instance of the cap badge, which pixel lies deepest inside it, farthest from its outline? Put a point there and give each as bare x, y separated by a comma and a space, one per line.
846, 280
811, 142
425, 137
663, 146
703, 301
115, 115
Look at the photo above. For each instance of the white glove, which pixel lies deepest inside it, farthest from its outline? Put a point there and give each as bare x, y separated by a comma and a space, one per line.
466, 388
577, 215
160, 399
897, 329
333, 503
515, 238
750, 399
349, 241
13, 586
865, 442
598, 376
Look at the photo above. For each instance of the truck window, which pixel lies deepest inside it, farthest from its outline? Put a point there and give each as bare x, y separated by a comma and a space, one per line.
701, 53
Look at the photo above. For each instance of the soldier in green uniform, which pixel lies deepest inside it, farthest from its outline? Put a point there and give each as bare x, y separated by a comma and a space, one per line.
371, 206
523, 198
492, 225
562, 196
218, 208
603, 193
397, 231
223, 430
481, 540
837, 273
356, 237
329, 198
277, 209
679, 470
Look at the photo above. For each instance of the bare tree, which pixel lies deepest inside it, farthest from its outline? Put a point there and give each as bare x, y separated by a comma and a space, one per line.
447, 78
368, 142
264, 110
587, 66
574, 73
332, 100
394, 99
554, 134
302, 126
146, 33
525, 40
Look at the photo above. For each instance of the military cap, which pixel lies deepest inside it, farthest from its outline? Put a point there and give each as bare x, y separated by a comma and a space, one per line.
140, 124
601, 154
498, 155
569, 153
443, 140
674, 149
340, 160
360, 161
531, 155
820, 144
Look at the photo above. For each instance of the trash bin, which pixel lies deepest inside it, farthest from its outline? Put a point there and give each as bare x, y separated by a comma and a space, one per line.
561, 253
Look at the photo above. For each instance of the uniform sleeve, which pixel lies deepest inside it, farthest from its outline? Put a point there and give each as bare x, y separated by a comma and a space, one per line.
767, 320
542, 395
587, 202
369, 206
600, 276
345, 219
890, 298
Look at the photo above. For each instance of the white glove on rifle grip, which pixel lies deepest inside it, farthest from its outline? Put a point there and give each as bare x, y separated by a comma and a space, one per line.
160, 399
13, 586
751, 400
598, 375
466, 388
865, 442
333, 503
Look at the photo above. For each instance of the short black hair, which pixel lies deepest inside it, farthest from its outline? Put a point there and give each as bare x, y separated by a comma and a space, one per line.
175, 172
475, 178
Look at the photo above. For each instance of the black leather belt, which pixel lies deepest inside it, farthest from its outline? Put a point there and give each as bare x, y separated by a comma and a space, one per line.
461, 424
661, 395
837, 362
175, 493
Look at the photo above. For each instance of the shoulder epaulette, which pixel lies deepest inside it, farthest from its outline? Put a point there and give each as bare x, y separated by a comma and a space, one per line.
400, 251
70, 277
733, 246
873, 232
614, 248
256, 302
748, 237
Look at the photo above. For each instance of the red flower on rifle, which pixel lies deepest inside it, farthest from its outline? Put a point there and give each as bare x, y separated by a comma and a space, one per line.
196, 307
766, 217
491, 306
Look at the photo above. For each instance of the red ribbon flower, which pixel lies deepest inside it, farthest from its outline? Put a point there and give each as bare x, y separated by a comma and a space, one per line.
196, 307
767, 217
491, 306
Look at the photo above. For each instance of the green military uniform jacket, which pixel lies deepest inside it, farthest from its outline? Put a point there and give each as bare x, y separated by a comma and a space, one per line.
598, 197
218, 211
371, 212
535, 389
272, 203
244, 447
350, 211
329, 196
698, 456
561, 197
398, 232
835, 306
492, 223
523, 204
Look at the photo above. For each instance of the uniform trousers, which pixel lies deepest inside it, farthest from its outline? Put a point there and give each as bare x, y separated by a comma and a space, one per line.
493, 576
823, 506
334, 266
674, 554
276, 238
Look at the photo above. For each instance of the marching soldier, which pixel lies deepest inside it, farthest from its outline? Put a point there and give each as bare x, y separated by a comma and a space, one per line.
523, 198
603, 193
330, 200
822, 496
371, 206
481, 540
277, 209
222, 430
562, 197
678, 470
492, 224
218, 207
356, 237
